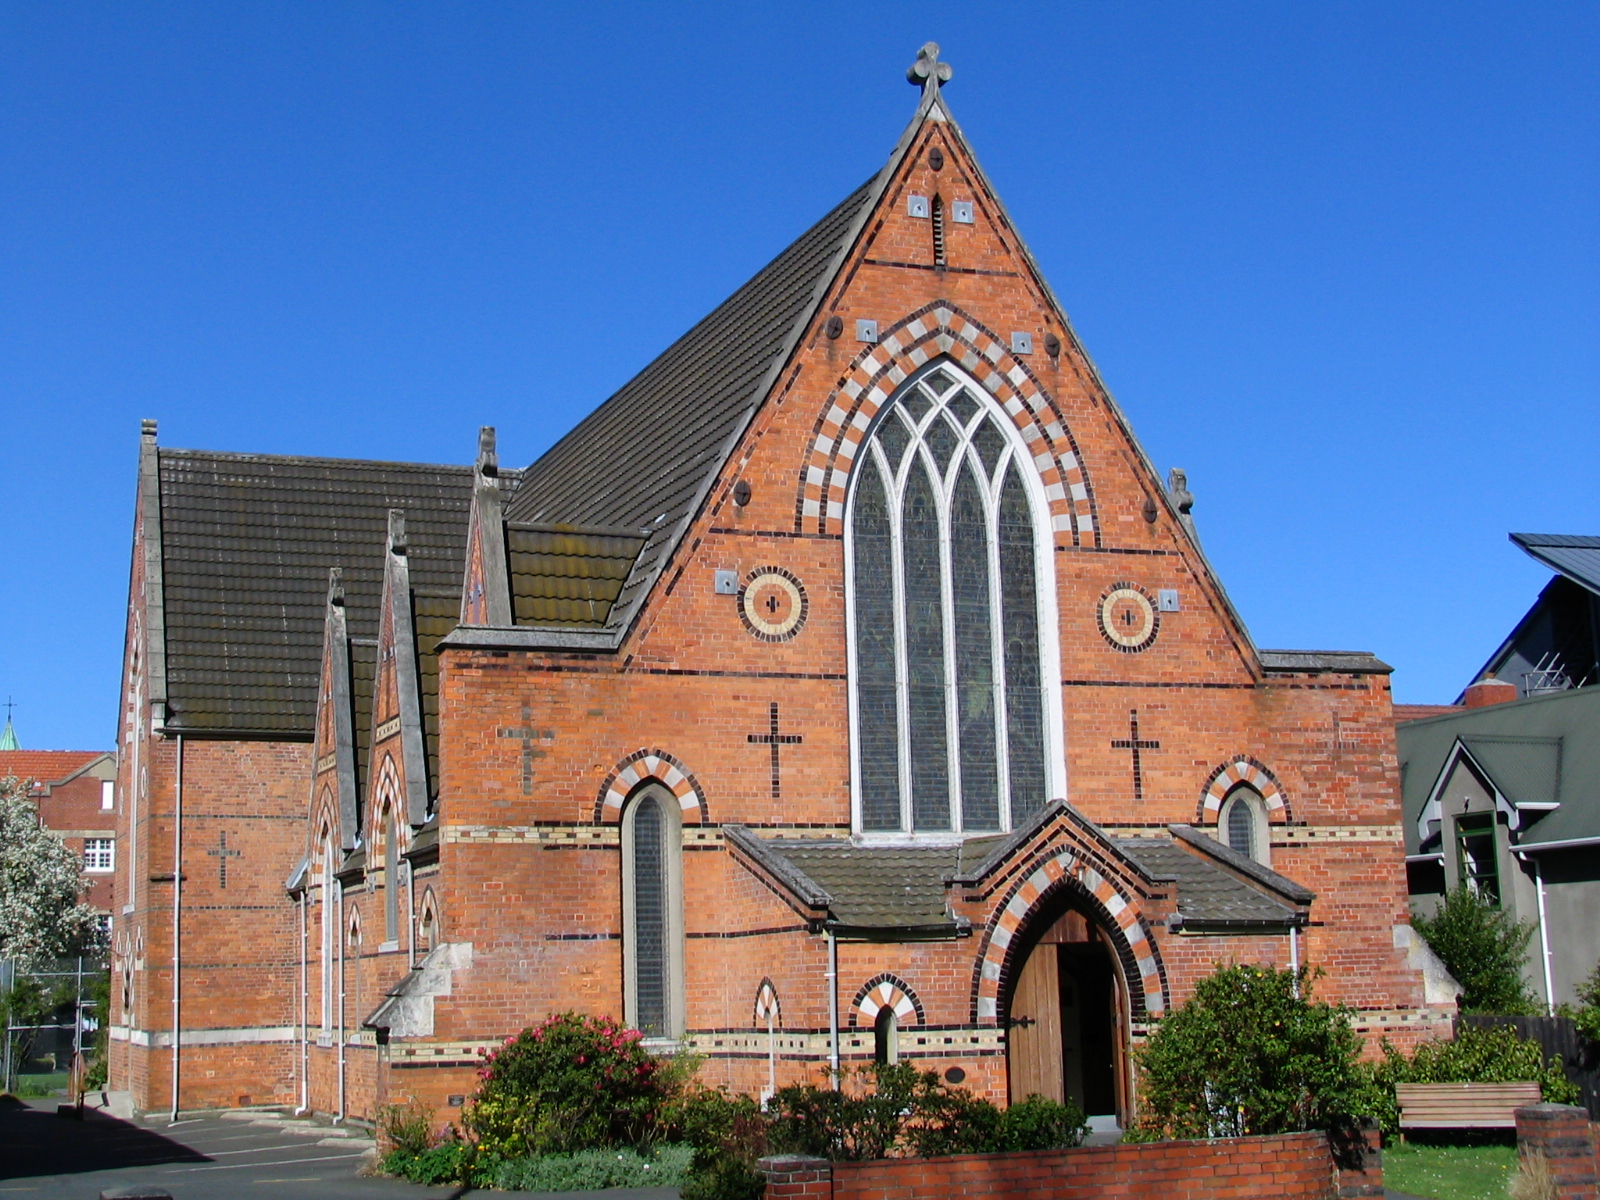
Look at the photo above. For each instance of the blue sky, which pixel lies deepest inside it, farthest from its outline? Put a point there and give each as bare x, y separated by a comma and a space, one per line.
1339, 261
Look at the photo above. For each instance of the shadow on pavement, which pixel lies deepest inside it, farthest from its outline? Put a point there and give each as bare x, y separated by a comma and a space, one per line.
35, 1141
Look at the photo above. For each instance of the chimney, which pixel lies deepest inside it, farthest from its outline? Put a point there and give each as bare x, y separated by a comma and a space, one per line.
1489, 691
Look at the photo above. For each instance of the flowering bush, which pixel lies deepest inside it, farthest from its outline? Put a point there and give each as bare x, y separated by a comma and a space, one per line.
571, 1083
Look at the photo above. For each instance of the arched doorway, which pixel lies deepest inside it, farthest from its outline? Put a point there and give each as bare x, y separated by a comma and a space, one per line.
1067, 1014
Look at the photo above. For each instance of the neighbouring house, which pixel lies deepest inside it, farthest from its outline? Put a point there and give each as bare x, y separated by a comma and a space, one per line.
75, 791
848, 686
1502, 788
1556, 645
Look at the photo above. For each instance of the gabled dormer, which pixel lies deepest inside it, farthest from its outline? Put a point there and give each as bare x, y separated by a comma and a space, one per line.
399, 747
335, 769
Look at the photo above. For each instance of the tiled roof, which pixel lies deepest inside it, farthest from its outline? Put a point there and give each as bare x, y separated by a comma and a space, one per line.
247, 541
1208, 896
566, 575
436, 611
1420, 712
45, 766
643, 459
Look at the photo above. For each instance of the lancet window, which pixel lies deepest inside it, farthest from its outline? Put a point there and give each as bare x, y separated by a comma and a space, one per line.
946, 593
653, 914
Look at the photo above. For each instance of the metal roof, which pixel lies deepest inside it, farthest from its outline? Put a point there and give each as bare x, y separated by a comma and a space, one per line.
1542, 748
1575, 556
247, 540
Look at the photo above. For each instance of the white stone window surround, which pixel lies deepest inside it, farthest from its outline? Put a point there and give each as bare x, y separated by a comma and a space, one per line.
99, 855
674, 948
1017, 458
1245, 797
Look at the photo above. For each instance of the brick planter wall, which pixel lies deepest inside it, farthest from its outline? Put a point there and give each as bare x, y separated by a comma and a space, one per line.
1294, 1166
1566, 1137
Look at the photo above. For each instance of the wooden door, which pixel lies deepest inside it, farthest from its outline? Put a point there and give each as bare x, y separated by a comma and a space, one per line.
1033, 1044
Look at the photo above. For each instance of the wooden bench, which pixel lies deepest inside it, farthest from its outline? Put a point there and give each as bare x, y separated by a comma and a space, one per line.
1462, 1105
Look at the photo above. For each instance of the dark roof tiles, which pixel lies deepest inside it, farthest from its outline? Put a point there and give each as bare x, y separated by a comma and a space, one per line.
644, 457
247, 541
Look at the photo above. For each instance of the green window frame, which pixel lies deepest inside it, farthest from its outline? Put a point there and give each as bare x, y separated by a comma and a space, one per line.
1477, 857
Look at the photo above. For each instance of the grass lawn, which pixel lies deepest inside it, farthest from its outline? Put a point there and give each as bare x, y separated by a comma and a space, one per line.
1449, 1172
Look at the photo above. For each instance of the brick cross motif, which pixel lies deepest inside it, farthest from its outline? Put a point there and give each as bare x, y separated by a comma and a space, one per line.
773, 739
1133, 744
527, 735
222, 854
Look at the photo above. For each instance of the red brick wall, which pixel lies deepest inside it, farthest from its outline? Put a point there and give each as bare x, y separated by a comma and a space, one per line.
1296, 1166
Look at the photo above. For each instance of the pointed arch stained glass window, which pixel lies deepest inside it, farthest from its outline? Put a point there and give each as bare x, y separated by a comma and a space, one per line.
944, 596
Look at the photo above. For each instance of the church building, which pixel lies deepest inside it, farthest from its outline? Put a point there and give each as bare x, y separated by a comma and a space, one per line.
847, 686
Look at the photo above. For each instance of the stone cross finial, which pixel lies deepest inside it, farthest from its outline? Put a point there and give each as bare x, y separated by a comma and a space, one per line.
928, 72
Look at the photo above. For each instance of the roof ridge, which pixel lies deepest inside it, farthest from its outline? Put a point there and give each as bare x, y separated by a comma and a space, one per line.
320, 460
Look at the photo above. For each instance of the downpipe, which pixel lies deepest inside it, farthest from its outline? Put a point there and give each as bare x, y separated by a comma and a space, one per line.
833, 1007
177, 925
305, 1082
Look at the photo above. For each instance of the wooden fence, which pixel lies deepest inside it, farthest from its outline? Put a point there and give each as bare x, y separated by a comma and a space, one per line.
1560, 1039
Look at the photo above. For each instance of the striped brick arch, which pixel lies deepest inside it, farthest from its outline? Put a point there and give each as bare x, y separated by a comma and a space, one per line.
941, 330
1229, 776
886, 991
1067, 869
640, 767
767, 1006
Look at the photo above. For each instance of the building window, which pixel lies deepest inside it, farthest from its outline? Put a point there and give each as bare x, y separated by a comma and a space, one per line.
1243, 823
1475, 848
886, 1036
653, 914
99, 854
391, 878
945, 598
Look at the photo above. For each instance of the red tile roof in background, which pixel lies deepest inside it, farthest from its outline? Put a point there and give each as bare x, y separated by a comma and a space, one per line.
1416, 712
46, 766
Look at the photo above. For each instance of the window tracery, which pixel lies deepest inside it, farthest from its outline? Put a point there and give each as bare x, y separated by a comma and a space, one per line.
945, 594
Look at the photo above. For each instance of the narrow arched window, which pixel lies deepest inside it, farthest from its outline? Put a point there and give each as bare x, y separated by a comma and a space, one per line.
391, 878
945, 590
1242, 822
329, 930
886, 1036
653, 915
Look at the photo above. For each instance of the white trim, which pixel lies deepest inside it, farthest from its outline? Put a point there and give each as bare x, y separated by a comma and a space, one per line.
1015, 453
671, 814
160, 1039
1565, 844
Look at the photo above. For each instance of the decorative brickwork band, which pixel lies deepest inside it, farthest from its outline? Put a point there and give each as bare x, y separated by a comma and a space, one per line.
886, 991
1118, 912
1229, 776
644, 765
767, 1006
941, 330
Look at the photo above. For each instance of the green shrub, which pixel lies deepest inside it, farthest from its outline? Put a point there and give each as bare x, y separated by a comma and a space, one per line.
407, 1127
449, 1163
1484, 948
571, 1083
1475, 1055
728, 1134
1587, 1015
1251, 1052
893, 1110
589, 1170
